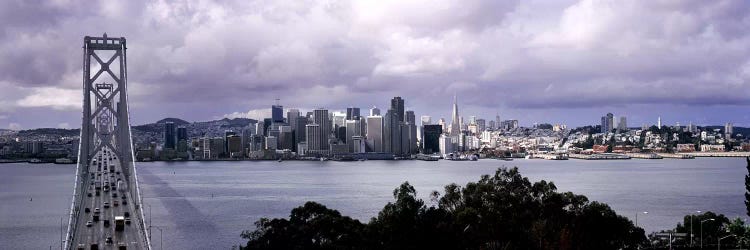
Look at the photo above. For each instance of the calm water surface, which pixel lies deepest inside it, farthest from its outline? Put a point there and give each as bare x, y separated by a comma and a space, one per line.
206, 205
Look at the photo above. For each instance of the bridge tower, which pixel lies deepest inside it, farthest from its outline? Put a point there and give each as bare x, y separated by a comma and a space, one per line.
105, 127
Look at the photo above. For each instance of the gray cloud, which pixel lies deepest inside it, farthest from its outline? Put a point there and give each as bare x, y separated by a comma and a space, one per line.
204, 59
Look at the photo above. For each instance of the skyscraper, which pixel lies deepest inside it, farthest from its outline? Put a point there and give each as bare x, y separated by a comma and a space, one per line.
277, 114
397, 105
353, 129
410, 117
455, 123
391, 132
426, 120
320, 117
181, 139
375, 133
623, 124
352, 113
728, 130
431, 139
374, 111
169, 135
299, 129
607, 123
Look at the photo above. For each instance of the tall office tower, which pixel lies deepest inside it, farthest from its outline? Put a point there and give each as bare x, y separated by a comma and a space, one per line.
299, 130
272, 143
603, 125
277, 114
397, 105
442, 124
313, 138
353, 129
267, 122
658, 122
227, 134
291, 118
375, 133
623, 124
182, 138
352, 113
413, 144
259, 128
320, 117
728, 130
391, 132
610, 122
481, 125
497, 121
374, 111
491, 125
405, 138
431, 138
473, 119
455, 123
247, 136
286, 138
410, 117
426, 120
447, 146
169, 135
234, 146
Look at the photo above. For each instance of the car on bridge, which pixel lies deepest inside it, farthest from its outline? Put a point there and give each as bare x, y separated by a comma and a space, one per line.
106, 204
89, 224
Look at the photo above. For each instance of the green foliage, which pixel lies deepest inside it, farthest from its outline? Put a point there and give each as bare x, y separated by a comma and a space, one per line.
500, 211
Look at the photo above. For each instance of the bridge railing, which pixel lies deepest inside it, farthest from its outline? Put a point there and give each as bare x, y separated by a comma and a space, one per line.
75, 204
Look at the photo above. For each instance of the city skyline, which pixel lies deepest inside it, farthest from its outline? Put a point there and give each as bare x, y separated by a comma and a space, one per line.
526, 60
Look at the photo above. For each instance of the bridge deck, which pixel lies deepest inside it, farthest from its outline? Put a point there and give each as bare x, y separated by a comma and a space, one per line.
102, 177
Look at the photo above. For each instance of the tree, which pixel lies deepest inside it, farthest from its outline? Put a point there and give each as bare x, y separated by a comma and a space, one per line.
500, 211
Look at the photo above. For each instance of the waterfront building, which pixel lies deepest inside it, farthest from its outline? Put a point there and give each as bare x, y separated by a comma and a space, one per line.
446, 145
286, 139
375, 133
234, 144
299, 129
431, 139
182, 139
169, 135
227, 134
353, 128
271, 142
391, 132
607, 123
358, 144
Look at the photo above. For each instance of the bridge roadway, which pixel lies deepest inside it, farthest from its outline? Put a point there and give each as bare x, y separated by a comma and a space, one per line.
100, 187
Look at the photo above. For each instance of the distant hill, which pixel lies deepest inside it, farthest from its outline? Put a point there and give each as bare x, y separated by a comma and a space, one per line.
50, 131
176, 121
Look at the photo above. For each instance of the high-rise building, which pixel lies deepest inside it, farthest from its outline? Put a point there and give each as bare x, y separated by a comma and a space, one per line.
313, 139
169, 136
353, 129
623, 124
426, 120
234, 146
286, 139
455, 123
607, 123
658, 122
481, 125
299, 129
397, 105
447, 146
431, 138
409, 117
728, 130
182, 138
374, 111
320, 117
271, 143
227, 134
391, 132
375, 133
277, 114
352, 113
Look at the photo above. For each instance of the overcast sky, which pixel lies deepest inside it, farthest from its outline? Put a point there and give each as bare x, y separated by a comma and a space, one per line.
537, 61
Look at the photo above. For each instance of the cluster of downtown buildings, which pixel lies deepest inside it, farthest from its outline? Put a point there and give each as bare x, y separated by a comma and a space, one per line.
392, 134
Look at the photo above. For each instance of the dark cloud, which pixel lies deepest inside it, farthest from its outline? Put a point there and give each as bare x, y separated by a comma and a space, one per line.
203, 59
